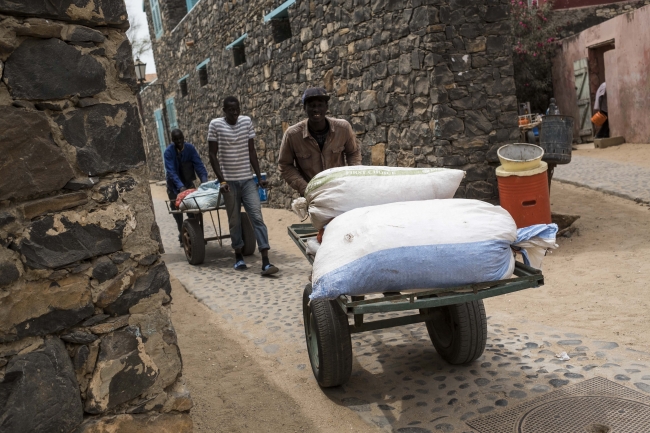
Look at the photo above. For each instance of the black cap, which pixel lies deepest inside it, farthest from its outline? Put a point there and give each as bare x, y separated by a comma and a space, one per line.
315, 92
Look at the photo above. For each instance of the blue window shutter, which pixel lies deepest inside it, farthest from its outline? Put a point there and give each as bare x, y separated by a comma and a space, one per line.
171, 113
190, 4
157, 18
160, 128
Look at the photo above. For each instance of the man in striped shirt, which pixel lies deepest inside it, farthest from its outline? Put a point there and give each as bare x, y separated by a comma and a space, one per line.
232, 153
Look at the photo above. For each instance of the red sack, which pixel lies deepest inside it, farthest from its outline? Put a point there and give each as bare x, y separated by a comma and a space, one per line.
182, 195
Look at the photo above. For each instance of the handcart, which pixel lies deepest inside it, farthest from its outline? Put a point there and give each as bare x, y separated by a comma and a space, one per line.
454, 317
193, 233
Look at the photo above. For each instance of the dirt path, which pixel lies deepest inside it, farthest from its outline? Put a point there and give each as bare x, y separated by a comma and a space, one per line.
596, 282
596, 285
232, 390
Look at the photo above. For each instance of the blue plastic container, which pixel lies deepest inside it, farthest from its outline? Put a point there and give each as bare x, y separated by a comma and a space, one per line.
264, 192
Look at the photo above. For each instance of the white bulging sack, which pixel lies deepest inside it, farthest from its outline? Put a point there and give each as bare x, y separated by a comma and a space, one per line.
342, 189
205, 197
416, 245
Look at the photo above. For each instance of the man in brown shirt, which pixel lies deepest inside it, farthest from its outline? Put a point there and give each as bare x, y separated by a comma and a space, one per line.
317, 143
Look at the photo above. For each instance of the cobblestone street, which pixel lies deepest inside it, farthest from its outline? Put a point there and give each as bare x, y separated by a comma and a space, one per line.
623, 180
398, 383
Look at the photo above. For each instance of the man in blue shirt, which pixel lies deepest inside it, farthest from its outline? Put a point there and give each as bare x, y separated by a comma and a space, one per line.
182, 164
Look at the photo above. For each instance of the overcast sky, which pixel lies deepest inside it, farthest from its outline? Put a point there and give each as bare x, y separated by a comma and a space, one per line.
134, 8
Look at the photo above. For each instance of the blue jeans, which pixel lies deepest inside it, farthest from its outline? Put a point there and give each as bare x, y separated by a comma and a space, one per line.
245, 192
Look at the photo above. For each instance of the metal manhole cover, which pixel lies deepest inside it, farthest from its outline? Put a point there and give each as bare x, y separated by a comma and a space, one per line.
596, 405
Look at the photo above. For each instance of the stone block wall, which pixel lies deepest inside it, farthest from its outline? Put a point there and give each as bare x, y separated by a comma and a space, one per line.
86, 340
424, 83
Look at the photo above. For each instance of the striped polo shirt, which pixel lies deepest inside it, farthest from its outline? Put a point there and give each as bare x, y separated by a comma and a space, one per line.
234, 158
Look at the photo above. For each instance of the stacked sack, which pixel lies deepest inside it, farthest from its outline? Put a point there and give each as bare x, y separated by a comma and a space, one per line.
205, 197
398, 229
338, 190
421, 245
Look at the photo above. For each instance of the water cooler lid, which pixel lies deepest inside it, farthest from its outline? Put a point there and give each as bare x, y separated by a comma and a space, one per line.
543, 166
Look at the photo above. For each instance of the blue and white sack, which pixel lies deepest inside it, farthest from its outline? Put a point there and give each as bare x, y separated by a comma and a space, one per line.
419, 245
205, 197
337, 190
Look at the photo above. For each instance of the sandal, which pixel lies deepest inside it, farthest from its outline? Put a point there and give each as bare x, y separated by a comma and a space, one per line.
269, 269
240, 266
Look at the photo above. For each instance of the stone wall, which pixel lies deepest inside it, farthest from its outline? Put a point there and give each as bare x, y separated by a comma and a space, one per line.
86, 340
573, 21
424, 83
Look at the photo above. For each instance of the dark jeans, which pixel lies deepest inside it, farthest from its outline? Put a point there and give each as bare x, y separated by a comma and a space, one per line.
244, 192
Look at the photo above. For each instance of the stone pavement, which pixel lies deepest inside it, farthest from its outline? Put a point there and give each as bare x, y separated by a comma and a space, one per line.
399, 383
623, 180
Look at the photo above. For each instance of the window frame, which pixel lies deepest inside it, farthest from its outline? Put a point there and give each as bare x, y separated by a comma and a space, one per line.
160, 130
156, 18
190, 4
181, 81
172, 119
236, 45
282, 8
203, 66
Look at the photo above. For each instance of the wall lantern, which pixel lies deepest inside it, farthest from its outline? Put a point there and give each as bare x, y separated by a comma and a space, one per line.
140, 70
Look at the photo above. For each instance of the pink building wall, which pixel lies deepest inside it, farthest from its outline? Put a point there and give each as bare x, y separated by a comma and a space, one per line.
627, 72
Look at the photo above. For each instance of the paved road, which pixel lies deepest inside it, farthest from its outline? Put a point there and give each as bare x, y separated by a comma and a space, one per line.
399, 383
624, 180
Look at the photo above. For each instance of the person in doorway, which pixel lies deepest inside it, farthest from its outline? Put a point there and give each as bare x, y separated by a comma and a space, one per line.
601, 105
232, 153
182, 164
317, 143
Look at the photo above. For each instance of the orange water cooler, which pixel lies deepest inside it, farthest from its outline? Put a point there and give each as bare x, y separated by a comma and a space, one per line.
525, 195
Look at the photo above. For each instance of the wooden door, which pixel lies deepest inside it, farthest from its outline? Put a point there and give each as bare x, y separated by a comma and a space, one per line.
581, 74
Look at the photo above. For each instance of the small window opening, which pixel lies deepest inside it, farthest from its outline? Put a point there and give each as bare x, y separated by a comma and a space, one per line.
238, 54
238, 50
203, 75
182, 84
279, 19
202, 68
281, 27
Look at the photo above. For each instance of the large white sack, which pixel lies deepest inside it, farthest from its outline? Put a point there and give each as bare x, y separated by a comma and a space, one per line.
337, 190
205, 197
415, 245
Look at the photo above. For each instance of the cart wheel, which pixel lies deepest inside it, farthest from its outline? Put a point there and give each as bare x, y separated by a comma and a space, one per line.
458, 332
248, 234
193, 241
328, 340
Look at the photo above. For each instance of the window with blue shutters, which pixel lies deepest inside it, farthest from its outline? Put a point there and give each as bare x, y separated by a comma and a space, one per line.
171, 113
160, 128
190, 4
157, 18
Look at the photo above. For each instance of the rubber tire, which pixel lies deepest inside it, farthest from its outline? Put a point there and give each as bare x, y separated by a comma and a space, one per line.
461, 335
193, 241
333, 341
248, 235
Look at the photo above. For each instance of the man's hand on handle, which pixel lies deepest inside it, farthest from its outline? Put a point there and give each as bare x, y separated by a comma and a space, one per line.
225, 188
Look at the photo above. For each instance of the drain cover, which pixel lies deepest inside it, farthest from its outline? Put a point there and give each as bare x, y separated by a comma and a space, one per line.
596, 405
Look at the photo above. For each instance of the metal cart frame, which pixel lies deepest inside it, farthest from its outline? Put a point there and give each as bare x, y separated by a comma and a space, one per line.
455, 317
193, 234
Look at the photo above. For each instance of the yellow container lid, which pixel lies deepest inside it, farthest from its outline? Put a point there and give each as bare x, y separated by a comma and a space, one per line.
543, 166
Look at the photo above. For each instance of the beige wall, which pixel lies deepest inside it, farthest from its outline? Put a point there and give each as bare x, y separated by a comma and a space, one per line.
627, 69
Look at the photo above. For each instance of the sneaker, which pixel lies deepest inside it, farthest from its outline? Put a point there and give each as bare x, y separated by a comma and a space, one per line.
269, 269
